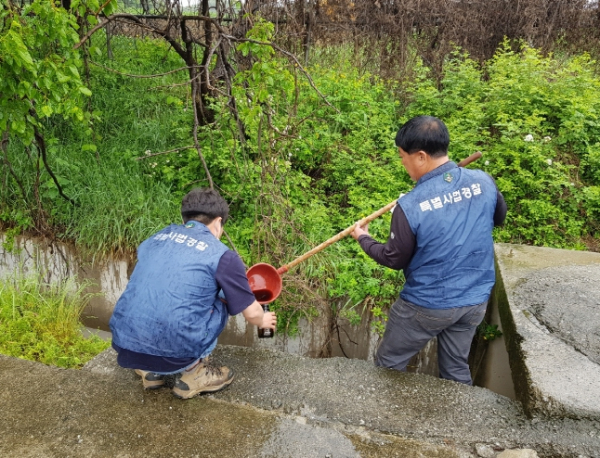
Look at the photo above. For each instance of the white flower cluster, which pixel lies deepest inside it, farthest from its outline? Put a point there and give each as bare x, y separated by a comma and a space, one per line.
529, 138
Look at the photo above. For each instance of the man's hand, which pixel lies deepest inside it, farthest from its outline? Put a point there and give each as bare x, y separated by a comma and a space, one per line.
255, 315
269, 321
358, 231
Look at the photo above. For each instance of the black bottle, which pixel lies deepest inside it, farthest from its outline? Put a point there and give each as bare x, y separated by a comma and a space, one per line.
265, 333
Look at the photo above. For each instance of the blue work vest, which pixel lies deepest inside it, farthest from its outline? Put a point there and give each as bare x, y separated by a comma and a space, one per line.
170, 306
451, 212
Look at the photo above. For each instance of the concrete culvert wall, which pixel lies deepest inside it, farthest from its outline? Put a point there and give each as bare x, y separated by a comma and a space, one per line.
549, 307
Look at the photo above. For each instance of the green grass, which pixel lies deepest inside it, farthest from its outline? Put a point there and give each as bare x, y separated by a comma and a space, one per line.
39, 321
119, 200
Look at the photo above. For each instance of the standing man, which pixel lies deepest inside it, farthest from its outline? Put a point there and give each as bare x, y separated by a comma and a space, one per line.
441, 236
171, 313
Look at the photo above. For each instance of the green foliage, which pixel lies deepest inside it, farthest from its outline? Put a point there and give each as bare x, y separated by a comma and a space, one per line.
20, 221
119, 199
381, 319
323, 168
488, 331
40, 82
306, 166
536, 120
268, 80
40, 322
39, 70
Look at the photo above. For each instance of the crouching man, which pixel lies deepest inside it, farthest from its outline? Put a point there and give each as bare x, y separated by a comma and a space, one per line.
171, 313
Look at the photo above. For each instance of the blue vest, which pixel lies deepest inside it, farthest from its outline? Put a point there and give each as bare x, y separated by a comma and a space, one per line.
451, 213
170, 306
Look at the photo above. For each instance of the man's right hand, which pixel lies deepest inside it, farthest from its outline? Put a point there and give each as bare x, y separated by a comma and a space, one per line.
254, 314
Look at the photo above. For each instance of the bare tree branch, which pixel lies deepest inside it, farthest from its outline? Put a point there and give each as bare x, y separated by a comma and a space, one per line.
195, 133
41, 143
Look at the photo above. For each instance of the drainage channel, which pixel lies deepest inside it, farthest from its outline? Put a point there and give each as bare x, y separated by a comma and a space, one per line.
489, 361
322, 336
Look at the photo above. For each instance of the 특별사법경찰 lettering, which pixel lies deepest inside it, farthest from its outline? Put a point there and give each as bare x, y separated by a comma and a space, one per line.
181, 238
451, 198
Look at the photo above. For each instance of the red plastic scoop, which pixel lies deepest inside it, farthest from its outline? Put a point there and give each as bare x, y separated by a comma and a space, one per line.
265, 282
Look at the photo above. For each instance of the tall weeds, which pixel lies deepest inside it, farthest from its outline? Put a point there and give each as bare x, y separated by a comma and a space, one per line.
40, 321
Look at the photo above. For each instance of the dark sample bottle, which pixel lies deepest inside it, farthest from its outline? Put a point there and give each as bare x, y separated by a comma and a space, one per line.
265, 333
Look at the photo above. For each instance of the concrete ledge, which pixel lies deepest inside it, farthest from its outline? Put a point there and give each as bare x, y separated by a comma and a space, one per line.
549, 305
279, 405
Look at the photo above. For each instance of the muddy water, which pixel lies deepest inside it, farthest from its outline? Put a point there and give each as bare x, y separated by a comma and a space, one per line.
496, 372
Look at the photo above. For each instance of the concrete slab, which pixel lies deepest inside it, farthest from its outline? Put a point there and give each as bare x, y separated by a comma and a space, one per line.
279, 405
549, 305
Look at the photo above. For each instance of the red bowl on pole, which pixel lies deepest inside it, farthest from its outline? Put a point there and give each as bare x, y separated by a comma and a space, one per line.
265, 282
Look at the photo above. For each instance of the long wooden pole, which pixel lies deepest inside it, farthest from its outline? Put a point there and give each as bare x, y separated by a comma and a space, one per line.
367, 219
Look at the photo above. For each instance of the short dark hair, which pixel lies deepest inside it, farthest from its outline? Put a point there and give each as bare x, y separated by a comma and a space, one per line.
424, 133
203, 205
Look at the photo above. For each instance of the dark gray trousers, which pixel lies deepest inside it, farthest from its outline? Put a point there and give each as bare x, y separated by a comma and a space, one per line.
410, 327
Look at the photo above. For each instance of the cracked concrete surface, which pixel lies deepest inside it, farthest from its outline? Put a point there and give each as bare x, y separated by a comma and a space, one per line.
549, 304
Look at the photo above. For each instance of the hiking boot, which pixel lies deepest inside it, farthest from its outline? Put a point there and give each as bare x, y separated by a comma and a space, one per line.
150, 380
202, 378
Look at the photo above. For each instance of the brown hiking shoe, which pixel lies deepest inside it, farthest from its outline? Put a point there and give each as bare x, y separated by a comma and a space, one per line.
202, 378
150, 380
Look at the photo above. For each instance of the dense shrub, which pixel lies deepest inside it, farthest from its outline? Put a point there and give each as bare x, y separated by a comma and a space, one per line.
536, 120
